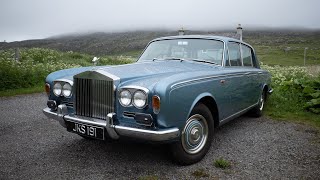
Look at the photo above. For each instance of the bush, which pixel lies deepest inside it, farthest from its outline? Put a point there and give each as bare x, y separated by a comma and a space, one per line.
295, 89
36, 63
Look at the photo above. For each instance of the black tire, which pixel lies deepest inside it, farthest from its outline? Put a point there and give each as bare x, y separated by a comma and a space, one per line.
258, 110
200, 119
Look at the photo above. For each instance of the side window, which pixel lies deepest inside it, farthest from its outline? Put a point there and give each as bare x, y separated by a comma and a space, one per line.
234, 54
246, 55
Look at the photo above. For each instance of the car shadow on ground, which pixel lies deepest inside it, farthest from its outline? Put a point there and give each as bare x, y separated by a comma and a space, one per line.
81, 152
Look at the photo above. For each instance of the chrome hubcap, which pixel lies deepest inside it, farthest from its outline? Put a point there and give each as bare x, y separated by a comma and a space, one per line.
195, 134
261, 101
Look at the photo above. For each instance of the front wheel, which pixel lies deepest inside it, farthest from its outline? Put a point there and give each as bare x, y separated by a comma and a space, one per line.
195, 138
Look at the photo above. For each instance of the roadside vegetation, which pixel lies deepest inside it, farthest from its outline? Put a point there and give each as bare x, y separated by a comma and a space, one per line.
296, 82
27, 74
296, 94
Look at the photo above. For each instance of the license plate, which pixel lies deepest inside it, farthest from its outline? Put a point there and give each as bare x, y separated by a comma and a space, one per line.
86, 130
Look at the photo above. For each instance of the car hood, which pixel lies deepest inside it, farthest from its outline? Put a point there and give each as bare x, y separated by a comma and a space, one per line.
145, 74
147, 69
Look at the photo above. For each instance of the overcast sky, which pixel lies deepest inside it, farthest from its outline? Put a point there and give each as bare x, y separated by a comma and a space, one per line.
30, 19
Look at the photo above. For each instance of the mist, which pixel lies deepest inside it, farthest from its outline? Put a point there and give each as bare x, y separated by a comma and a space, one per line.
35, 19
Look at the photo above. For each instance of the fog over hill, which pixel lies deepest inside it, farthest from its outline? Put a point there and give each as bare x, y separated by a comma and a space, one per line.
101, 43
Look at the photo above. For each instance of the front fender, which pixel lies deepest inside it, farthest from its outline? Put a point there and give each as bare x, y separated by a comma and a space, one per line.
197, 99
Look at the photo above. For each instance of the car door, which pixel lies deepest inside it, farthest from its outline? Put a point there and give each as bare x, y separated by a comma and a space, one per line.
238, 82
252, 75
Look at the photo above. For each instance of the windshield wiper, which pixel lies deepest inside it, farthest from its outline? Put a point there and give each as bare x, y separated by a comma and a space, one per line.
171, 58
181, 59
203, 61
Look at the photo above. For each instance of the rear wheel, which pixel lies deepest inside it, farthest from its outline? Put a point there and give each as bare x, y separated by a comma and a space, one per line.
257, 111
195, 138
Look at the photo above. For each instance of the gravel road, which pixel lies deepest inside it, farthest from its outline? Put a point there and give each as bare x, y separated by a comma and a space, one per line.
34, 147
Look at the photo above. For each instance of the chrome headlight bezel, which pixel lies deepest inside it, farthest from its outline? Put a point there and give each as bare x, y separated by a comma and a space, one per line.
134, 91
67, 90
122, 93
139, 95
57, 89
61, 87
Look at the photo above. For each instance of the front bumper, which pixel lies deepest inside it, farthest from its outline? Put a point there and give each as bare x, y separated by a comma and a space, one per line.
114, 131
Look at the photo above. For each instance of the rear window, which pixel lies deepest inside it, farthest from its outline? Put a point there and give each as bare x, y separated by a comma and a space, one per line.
246, 55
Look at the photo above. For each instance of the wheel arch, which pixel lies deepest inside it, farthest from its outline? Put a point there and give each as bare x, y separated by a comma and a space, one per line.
265, 90
208, 100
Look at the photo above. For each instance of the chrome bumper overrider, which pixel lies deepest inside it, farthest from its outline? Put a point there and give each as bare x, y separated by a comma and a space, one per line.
114, 131
270, 91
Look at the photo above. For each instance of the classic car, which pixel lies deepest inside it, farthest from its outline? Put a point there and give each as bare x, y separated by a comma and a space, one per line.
179, 90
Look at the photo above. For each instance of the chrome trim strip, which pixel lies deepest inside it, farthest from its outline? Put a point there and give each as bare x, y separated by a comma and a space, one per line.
129, 114
160, 135
91, 121
57, 115
225, 120
135, 87
114, 77
241, 54
64, 80
205, 78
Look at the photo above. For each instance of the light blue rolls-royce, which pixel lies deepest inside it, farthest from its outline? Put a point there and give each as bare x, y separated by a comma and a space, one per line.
179, 90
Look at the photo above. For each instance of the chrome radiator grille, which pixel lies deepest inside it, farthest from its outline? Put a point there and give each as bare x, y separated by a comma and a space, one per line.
93, 98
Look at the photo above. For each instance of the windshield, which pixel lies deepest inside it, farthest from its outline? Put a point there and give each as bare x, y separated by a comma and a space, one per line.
201, 50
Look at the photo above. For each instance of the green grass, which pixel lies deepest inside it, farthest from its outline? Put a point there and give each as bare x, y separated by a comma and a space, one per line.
222, 163
294, 57
200, 173
30, 90
290, 108
25, 75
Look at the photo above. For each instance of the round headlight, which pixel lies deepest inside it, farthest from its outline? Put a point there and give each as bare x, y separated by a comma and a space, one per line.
66, 90
57, 88
125, 98
139, 99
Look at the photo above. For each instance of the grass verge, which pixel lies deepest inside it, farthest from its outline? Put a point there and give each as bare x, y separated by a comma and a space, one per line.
13, 92
284, 112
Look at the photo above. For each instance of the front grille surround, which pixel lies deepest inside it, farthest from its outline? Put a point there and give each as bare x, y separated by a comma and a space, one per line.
94, 95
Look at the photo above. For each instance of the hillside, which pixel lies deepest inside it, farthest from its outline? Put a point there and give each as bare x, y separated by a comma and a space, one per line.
115, 43
271, 45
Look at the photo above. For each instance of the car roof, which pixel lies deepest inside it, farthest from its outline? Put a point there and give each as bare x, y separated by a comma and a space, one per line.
221, 38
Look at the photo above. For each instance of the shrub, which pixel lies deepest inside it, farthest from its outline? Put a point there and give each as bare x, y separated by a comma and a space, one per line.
295, 89
36, 63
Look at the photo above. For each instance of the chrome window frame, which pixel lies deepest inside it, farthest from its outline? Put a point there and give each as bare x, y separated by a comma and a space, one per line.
214, 39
